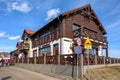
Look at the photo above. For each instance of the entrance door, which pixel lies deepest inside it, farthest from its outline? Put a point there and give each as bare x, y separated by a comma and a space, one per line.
55, 49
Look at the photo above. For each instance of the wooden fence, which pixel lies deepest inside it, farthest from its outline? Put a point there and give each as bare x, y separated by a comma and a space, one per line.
70, 59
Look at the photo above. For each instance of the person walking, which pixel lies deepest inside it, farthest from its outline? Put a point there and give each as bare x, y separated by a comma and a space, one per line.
6, 62
2, 62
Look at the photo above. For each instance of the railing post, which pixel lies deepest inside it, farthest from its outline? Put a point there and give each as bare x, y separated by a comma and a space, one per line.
28, 60
117, 60
114, 60
95, 59
22, 60
35, 59
110, 60
58, 59
45, 58
18, 60
104, 60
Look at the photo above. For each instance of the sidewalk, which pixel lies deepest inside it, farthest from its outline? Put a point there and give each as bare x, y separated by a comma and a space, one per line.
13, 73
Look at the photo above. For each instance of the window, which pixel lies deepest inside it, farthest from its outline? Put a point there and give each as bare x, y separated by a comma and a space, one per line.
45, 49
75, 27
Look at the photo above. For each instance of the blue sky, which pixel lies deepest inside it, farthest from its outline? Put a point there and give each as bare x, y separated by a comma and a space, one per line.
17, 15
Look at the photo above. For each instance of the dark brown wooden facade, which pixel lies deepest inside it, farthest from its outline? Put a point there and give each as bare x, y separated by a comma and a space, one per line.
86, 24
48, 33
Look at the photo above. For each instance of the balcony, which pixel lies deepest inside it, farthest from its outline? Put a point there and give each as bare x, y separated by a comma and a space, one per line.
91, 34
23, 46
48, 38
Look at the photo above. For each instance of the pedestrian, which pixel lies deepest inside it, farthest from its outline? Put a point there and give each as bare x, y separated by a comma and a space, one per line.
2, 62
6, 62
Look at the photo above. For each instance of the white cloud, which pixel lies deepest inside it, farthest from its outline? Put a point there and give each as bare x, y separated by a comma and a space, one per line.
52, 13
21, 7
13, 37
2, 34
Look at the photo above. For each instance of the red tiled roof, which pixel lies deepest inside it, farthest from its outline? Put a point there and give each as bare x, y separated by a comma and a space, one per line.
29, 31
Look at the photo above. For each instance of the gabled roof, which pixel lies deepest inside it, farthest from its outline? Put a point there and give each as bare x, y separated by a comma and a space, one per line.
30, 32
18, 43
83, 7
74, 11
15, 52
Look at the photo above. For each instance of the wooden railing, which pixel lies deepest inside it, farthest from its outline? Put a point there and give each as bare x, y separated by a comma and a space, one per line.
70, 59
52, 36
23, 46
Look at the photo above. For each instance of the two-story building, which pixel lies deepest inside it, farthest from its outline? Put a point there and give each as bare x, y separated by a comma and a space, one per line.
57, 36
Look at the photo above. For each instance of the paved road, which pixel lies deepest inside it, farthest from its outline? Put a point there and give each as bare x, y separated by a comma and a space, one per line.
12, 73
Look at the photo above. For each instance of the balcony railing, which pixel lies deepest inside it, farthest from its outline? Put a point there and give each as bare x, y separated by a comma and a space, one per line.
23, 46
91, 34
52, 36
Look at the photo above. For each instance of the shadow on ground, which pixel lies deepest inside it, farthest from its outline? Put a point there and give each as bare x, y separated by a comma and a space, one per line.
6, 78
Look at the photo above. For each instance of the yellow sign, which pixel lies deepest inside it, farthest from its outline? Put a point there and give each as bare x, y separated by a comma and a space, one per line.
87, 44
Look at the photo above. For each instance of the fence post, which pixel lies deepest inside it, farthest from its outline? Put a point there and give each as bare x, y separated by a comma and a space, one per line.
114, 60
81, 66
110, 60
28, 60
22, 59
35, 59
95, 59
58, 59
117, 60
18, 60
45, 58
104, 60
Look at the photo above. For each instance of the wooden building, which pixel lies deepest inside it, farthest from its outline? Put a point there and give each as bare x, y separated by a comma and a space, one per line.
57, 36
25, 47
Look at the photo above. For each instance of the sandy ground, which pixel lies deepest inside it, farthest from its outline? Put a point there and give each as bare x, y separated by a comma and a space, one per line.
104, 73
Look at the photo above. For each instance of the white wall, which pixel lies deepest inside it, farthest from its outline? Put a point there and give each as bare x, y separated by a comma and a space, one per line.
100, 50
66, 44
